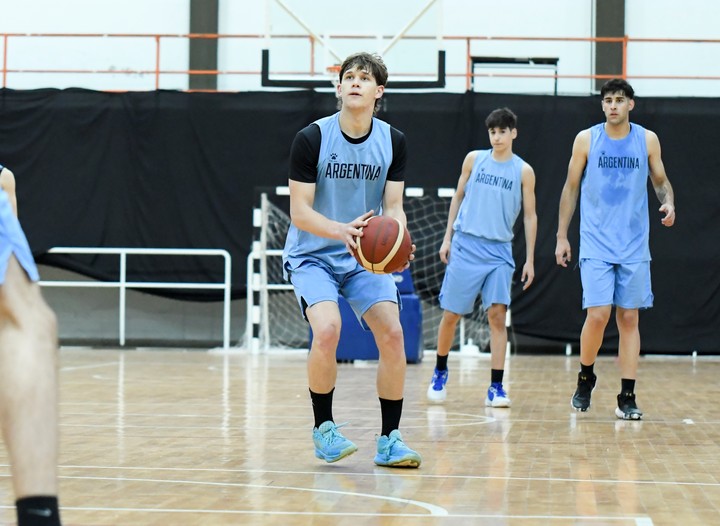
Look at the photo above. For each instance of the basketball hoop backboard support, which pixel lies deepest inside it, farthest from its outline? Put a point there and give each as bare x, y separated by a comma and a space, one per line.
267, 82
529, 62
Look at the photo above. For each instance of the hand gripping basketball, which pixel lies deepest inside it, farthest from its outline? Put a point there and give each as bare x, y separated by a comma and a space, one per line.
385, 245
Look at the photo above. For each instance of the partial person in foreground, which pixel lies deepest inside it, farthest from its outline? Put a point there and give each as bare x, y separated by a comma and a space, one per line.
610, 163
343, 169
493, 186
28, 372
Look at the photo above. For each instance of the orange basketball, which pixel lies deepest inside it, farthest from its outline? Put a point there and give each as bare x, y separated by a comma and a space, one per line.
385, 245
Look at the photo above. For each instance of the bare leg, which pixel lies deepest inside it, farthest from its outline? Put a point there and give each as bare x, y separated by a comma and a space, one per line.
593, 332
28, 384
629, 347
498, 335
446, 332
325, 321
384, 320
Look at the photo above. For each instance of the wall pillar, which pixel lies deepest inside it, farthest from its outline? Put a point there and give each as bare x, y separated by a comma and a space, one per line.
609, 22
203, 51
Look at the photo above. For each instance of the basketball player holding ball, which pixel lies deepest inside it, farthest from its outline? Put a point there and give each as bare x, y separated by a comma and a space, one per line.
343, 169
493, 186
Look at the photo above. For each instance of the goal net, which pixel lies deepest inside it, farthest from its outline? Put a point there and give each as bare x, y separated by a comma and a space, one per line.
273, 315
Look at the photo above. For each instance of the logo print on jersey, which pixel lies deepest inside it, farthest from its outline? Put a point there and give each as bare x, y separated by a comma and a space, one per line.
493, 180
607, 161
336, 170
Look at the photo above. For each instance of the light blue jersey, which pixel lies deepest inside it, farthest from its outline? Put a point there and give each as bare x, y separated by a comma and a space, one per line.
614, 223
481, 260
493, 197
350, 181
13, 241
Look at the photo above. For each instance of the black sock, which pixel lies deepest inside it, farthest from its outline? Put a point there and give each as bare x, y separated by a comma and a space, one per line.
587, 370
441, 364
628, 386
322, 406
496, 376
38, 511
391, 411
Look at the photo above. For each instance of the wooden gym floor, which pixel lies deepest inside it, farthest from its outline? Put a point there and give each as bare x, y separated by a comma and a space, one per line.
165, 437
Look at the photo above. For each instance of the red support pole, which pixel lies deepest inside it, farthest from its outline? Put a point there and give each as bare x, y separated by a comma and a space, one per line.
624, 56
157, 62
5, 46
469, 71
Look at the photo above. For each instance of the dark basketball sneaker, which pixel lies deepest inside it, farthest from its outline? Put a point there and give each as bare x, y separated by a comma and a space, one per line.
627, 408
581, 398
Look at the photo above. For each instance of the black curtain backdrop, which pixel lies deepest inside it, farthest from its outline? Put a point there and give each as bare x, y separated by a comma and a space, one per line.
171, 169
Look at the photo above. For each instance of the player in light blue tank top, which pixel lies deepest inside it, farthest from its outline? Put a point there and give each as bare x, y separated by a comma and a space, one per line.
609, 167
494, 186
28, 363
351, 180
492, 198
345, 168
614, 223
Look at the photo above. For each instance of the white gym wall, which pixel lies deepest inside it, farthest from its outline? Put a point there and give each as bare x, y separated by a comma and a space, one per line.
517, 18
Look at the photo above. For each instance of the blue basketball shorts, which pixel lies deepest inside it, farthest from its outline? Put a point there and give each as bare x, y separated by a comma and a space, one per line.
625, 285
13, 242
315, 281
476, 266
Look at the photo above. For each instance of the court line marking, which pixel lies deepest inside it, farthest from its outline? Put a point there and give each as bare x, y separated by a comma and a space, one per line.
382, 474
639, 521
461, 420
433, 510
127, 426
88, 366
240, 426
436, 511
462, 417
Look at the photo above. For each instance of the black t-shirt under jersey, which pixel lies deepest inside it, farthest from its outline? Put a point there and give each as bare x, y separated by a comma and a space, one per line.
305, 153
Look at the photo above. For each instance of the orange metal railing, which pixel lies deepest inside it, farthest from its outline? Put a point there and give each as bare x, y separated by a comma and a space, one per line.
468, 73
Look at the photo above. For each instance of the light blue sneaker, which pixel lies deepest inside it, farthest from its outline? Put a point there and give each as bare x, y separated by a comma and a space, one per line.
393, 452
330, 444
496, 396
436, 390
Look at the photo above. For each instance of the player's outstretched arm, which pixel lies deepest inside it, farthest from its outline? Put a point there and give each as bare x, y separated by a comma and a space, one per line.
455, 203
660, 181
529, 224
568, 198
